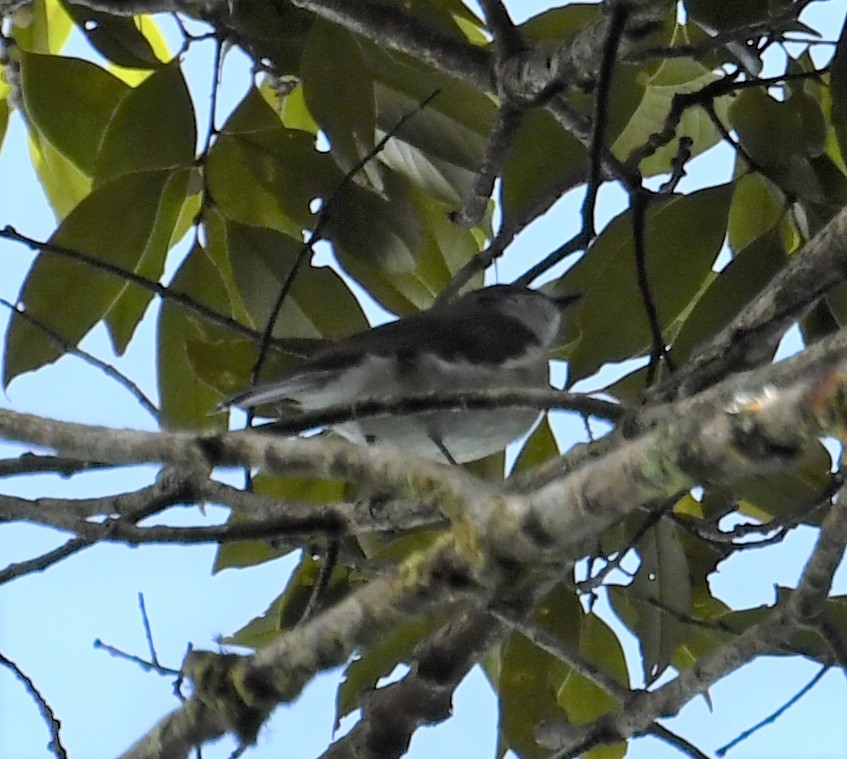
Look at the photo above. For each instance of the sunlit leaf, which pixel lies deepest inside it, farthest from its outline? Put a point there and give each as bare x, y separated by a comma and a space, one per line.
46, 28
63, 183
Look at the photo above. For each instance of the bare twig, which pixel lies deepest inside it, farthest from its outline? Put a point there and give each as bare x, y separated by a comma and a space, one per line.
89, 358
289, 346
770, 719
53, 725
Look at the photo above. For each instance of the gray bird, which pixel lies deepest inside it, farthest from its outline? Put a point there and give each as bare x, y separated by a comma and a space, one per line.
495, 338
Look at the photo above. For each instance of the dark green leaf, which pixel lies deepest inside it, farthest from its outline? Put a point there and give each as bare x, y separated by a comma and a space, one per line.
287, 609
248, 553
186, 401
71, 103
781, 494
678, 265
582, 700
660, 591
124, 222
379, 660
262, 174
543, 163
735, 286
117, 38
153, 127
340, 95
395, 244
838, 89
529, 677
539, 447
261, 260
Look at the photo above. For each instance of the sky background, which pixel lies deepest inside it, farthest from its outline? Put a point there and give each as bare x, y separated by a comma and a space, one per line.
48, 621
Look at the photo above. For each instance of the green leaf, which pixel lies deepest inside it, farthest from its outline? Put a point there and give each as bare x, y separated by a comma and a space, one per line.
248, 553
651, 605
530, 677
379, 660
186, 401
725, 16
46, 30
117, 38
735, 286
543, 163
262, 174
782, 493
674, 76
557, 24
123, 223
773, 134
292, 108
71, 103
582, 700
63, 183
153, 127
339, 94
539, 447
5, 89
277, 32
399, 246
261, 260
148, 27
287, 609
127, 311
439, 147
757, 205
678, 266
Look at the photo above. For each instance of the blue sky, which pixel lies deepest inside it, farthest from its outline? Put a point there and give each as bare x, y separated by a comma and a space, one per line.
49, 621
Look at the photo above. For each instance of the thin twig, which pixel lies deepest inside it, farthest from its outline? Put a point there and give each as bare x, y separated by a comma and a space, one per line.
677, 741
328, 565
317, 233
769, 720
618, 14
147, 666
107, 369
474, 400
53, 724
292, 347
658, 350
148, 632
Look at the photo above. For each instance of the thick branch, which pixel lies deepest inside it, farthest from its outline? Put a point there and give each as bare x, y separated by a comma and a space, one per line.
751, 337
279, 672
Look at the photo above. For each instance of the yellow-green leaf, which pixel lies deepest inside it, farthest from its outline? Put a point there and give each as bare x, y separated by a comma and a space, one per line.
63, 183
46, 28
